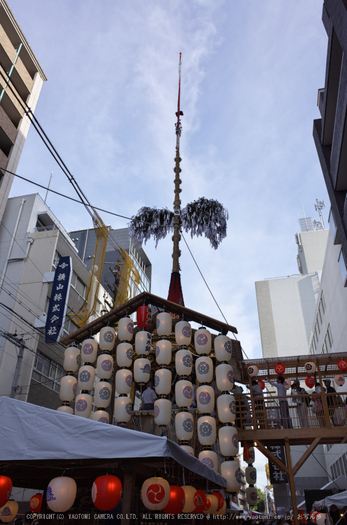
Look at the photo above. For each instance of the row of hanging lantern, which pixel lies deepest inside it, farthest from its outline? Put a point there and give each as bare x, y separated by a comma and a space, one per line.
163, 376
124, 376
251, 477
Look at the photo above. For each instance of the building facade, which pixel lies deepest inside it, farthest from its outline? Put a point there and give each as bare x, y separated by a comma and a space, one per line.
21, 79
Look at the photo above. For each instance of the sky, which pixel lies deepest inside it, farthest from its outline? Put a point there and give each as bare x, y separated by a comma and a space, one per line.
250, 75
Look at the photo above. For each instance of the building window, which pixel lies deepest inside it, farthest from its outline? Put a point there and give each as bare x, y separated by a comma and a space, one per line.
330, 337
343, 268
78, 285
47, 372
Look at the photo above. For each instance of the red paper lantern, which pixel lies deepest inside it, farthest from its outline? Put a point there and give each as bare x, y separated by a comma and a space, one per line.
262, 385
220, 498
5, 489
280, 369
176, 501
200, 501
143, 316
36, 502
342, 364
106, 492
310, 382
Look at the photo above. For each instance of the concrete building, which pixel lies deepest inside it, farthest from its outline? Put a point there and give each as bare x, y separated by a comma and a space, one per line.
21, 79
31, 243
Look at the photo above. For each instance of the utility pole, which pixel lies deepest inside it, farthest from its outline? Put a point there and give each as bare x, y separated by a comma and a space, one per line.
19, 343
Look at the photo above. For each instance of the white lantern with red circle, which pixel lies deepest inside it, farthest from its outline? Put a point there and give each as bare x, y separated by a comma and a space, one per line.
163, 352
72, 359
61, 493
65, 408
209, 458
162, 411
89, 350
202, 341
155, 493
184, 362
251, 475
230, 470
125, 329
252, 496
207, 430
189, 493
162, 381
184, 393
164, 324
83, 405
253, 370
226, 408
228, 441
104, 366
211, 504
339, 380
107, 338
86, 377
101, 415
142, 370
183, 333
123, 409
223, 348
310, 367
106, 492
124, 381
188, 449
102, 394
184, 426
124, 354
9, 511
204, 369
143, 341
224, 377
67, 388
5, 489
205, 399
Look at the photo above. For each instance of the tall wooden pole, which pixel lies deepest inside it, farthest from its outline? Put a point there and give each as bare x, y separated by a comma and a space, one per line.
177, 201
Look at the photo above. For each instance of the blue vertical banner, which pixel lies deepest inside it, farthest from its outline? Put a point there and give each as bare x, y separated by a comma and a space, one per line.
59, 299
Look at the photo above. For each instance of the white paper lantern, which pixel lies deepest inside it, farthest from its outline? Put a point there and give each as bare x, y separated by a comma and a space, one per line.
86, 377
163, 352
202, 341
164, 324
228, 441
189, 493
251, 458
162, 412
67, 388
226, 408
184, 426
251, 475
9, 511
184, 362
143, 341
142, 370
124, 381
310, 367
252, 496
184, 393
253, 370
123, 408
230, 470
104, 366
125, 329
162, 381
223, 348
339, 380
101, 415
205, 399
222, 510
209, 458
206, 426
72, 359
155, 493
107, 338
102, 394
66, 409
61, 494
204, 369
211, 504
183, 333
224, 377
89, 350
83, 405
125, 354
188, 449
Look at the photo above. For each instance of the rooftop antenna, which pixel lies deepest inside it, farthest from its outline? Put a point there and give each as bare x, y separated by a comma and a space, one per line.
319, 206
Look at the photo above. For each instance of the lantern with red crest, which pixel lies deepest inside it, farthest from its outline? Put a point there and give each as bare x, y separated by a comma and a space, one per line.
155, 493
143, 316
36, 502
200, 501
342, 365
5, 489
262, 386
106, 492
310, 382
176, 501
280, 369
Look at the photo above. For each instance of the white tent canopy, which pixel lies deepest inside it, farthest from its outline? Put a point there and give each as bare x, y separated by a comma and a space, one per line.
340, 500
30, 432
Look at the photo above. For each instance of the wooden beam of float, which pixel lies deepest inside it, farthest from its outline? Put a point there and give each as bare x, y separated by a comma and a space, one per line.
131, 306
